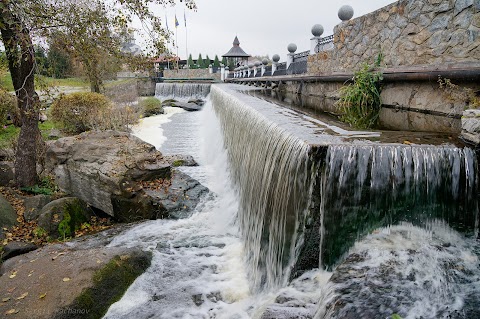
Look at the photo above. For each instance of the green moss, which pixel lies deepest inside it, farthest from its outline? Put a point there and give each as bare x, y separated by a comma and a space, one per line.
73, 218
151, 106
177, 163
109, 285
64, 226
39, 232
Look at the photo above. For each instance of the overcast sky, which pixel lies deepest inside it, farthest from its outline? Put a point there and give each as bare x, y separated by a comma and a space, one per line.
262, 26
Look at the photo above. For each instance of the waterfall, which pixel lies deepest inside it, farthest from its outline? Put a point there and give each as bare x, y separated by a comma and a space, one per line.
303, 205
370, 186
271, 171
289, 196
182, 91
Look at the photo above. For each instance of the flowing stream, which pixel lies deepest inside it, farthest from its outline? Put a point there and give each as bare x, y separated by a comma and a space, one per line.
237, 255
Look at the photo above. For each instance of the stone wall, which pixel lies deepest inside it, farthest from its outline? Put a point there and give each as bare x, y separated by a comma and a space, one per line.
145, 87
407, 32
190, 74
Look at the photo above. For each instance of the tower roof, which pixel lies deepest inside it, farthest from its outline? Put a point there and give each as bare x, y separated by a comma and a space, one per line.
236, 51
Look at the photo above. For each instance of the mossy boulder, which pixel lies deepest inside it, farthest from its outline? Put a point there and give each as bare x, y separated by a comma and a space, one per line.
109, 285
151, 106
62, 217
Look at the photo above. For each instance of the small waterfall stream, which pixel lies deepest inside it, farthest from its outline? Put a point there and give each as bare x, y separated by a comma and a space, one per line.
282, 206
182, 91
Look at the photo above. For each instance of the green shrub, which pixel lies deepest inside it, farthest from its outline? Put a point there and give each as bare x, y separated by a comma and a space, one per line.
8, 106
81, 111
360, 101
151, 106
45, 186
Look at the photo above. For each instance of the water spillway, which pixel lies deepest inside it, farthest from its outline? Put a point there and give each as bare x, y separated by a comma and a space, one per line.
182, 91
350, 185
295, 195
271, 170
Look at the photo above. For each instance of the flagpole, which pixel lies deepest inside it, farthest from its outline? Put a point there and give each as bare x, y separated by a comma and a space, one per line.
186, 34
176, 40
167, 53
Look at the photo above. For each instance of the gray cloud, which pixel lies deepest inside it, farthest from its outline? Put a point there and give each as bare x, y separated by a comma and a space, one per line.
263, 27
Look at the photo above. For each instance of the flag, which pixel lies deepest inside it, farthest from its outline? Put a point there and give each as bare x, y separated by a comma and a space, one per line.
166, 22
176, 21
185, 18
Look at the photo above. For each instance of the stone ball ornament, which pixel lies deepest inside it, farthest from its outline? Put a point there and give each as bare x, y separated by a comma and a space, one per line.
265, 61
276, 58
317, 30
251, 65
345, 13
292, 47
258, 63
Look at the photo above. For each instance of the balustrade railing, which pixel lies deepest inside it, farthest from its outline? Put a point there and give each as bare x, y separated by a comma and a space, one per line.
324, 44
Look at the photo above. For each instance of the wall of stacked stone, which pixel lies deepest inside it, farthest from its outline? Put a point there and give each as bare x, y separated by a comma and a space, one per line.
407, 32
190, 74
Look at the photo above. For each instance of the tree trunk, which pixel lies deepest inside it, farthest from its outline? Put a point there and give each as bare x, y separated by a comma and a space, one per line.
91, 66
21, 63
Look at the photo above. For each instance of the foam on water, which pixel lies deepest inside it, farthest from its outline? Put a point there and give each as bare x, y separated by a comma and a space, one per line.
149, 128
408, 270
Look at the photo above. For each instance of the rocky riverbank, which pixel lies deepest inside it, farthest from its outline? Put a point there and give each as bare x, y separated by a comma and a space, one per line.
100, 178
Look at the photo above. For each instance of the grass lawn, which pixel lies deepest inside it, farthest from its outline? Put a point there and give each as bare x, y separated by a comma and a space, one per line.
10, 132
6, 81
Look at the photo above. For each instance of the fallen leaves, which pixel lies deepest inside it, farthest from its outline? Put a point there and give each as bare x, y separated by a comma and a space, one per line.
6, 299
11, 312
156, 184
66, 279
58, 255
22, 296
13, 275
42, 296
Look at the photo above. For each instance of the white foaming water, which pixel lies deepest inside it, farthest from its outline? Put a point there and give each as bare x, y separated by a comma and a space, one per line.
149, 129
198, 267
410, 271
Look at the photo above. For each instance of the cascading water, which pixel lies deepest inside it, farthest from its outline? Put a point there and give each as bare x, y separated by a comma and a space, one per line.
371, 186
283, 198
182, 91
270, 169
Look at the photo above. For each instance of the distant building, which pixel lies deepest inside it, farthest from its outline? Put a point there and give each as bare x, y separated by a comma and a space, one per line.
236, 56
129, 46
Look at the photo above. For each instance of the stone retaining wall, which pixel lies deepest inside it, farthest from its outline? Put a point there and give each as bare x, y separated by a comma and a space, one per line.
190, 74
407, 32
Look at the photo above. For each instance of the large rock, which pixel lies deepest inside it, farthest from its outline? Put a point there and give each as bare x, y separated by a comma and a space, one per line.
78, 279
7, 174
8, 216
95, 166
108, 170
16, 248
63, 216
188, 106
33, 206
